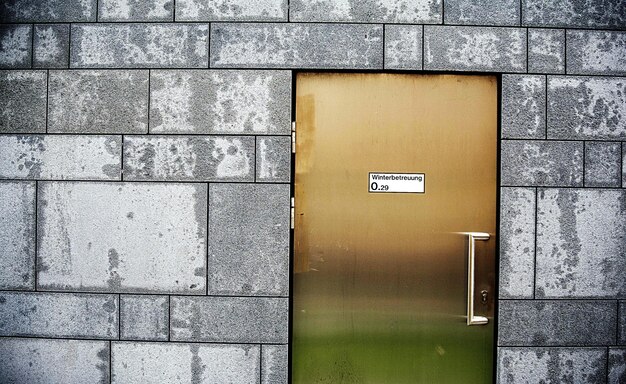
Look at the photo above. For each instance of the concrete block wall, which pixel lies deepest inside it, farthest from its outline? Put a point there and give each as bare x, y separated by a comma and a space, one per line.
145, 178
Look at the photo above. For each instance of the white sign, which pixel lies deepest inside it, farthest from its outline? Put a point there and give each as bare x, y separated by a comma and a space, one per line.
396, 182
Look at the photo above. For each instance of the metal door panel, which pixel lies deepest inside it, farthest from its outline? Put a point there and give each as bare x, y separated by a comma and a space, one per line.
380, 280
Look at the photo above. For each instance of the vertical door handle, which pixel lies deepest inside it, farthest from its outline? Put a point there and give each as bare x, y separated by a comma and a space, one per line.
471, 253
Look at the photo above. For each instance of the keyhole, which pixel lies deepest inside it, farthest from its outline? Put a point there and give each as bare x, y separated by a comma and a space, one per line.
483, 297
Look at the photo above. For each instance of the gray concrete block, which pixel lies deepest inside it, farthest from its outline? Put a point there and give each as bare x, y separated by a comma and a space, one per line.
139, 45
542, 163
75, 315
58, 157
98, 101
268, 45
229, 319
231, 10
155, 363
551, 365
273, 160
617, 366
41, 361
602, 164
586, 108
403, 46
517, 242
580, 243
596, 52
16, 47
135, 10
249, 239
220, 101
623, 165
482, 12
51, 11
23, 101
556, 323
51, 45
574, 13
122, 237
144, 317
621, 332
523, 107
274, 364
546, 50
385, 11
489, 49
17, 235
191, 158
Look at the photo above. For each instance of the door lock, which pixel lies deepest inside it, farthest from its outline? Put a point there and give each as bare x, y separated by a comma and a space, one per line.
483, 296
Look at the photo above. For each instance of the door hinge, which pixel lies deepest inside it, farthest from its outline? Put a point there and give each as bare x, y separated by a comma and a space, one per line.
293, 137
293, 212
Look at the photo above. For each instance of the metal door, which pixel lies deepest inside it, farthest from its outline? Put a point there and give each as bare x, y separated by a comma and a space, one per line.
380, 284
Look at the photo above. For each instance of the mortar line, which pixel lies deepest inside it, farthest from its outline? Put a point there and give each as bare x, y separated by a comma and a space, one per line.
97, 7
36, 234
181, 341
443, 12
584, 165
169, 317
122, 160
260, 364
288, 10
621, 165
149, 93
165, 135
32, 45
520, 17
565, 52
606, 361
527, 44
173, 11
110, 363
256, 155
47, 96
206, 236
119, 316
535, 251
423, 49
170, 181
545, 107
617, 323
69, 47
208, 48
384, 29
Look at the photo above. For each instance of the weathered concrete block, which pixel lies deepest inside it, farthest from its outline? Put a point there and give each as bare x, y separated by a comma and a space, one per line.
542, 163
380, 11
98, 101
196, 158
623, 165
23, 101
154, 363
230, 319
51, 46
586, 108
52, 11
580, 243
602, 164
139, 45
274, 364
617, 366
551, 365
254, 45
144, 317
273, 160
596, 52
76, 315
231, 10
557, 322
574, 13
16, 46
57, 157
122, 237
135, 10
220, 101
41, 361
546, 50
488, 49
621, 337
249, 239
523, 107
482, 12
517, 242
403, 46
17, 235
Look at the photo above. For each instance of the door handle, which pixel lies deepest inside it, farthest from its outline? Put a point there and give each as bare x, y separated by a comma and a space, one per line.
471, 254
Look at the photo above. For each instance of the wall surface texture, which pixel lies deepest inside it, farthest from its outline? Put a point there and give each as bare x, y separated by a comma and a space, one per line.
145, 164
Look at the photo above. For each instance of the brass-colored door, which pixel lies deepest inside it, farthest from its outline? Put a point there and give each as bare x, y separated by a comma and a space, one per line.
380, 285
